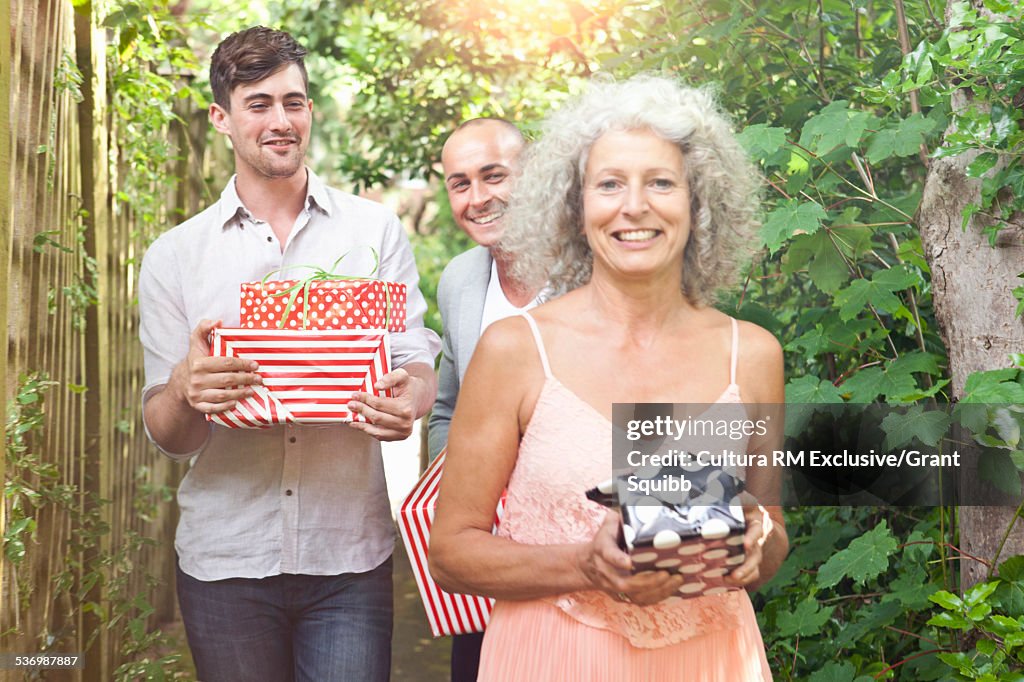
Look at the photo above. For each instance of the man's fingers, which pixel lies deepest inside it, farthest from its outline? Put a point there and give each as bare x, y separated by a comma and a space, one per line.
218, 365
201, 334
218, 397
379, 432
394, 412
394, 379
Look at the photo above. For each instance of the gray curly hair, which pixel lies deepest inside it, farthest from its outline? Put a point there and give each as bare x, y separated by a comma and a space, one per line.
544, 236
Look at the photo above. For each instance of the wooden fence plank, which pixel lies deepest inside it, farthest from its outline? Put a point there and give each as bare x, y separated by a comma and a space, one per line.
6, 137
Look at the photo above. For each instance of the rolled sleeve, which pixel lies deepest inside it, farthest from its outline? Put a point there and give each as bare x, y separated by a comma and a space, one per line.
163, 328
417, 343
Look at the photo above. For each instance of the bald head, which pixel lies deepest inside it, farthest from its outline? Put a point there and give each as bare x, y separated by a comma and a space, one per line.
480, 161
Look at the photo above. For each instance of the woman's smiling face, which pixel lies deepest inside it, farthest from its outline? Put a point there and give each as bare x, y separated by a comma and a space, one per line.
636, 203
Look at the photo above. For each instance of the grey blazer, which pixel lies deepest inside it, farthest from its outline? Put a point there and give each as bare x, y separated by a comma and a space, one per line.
460, 299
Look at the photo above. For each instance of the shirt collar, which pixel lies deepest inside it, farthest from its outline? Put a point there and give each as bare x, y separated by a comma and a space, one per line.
232, 208
316, 193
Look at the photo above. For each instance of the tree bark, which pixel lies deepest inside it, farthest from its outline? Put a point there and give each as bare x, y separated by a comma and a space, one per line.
972, 285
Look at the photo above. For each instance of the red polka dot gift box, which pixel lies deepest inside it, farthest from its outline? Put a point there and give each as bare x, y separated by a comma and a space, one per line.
323, 304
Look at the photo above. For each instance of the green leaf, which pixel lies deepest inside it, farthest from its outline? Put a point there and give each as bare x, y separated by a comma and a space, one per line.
986, 646
806, 619
790, 217
895, 278
837, 124
1012, 568
877, 291
1006, 426
911, 589
918, 547
903, 139
762, 140
979, 611
1009, 597
865, 558
808, 389
996, 467
826, 266
854, 240
864, 385
982, 164
813, 342
872, 618
946, 619
1003, 625
917, 361
1014, 640
834, 672
927, 427
854, 299
994, 386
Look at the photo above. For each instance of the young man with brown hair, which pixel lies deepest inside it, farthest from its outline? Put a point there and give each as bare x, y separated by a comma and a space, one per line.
285, 538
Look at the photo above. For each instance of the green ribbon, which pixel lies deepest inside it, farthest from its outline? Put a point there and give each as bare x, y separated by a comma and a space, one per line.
303, 286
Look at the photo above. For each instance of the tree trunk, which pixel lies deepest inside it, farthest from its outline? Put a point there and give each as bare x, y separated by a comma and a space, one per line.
972, 285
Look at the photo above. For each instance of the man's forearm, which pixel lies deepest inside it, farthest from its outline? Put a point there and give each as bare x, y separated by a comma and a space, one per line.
173, 424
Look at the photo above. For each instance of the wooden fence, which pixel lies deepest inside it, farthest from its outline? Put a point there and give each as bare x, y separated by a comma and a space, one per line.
84, 490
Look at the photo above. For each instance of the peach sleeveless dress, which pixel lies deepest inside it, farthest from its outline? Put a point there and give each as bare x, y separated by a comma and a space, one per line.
588, 636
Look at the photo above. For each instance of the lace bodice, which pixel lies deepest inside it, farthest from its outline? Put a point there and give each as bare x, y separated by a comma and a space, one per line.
565, 451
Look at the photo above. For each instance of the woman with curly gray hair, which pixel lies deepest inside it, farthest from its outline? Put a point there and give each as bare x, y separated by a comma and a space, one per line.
634, 205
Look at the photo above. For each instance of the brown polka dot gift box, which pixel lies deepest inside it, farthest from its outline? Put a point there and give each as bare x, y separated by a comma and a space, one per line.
697, 533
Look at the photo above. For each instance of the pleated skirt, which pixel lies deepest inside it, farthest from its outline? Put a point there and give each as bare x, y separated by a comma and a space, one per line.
534, 641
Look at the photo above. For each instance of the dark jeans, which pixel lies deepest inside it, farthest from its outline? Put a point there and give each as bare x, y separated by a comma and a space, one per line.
290, 628
466, 656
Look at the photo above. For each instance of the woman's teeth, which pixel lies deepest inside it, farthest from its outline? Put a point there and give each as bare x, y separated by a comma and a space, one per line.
636, 235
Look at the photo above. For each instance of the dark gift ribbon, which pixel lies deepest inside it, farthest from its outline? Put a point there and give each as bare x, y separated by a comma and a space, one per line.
303, 286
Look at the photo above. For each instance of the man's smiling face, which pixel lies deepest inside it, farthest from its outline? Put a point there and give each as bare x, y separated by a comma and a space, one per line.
268, 124
480, 164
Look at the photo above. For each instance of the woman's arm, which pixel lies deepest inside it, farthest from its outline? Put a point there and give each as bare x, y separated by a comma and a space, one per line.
495, 403
766, 542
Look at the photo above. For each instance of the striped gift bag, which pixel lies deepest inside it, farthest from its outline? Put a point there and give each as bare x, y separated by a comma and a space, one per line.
308, 376
448, 614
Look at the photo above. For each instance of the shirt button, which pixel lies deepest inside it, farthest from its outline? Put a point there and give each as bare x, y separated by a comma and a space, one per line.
288, 492
270, 239
292, 439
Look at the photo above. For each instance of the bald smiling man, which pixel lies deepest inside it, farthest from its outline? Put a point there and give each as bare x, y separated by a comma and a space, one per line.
481, 162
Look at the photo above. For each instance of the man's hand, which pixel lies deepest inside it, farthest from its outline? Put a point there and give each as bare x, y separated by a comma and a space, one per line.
198, 385
413, 389
212, 384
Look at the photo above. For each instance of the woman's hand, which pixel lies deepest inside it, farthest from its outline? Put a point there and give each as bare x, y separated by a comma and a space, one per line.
607, 568
759, 525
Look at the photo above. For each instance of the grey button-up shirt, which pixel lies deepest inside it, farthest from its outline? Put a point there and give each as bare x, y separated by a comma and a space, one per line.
287, 499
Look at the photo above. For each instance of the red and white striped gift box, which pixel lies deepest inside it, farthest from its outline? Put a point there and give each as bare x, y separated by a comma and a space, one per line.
448, 613
308, 376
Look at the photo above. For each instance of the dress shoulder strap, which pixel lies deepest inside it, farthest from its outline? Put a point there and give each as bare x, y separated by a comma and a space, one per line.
735, 351
540, 343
